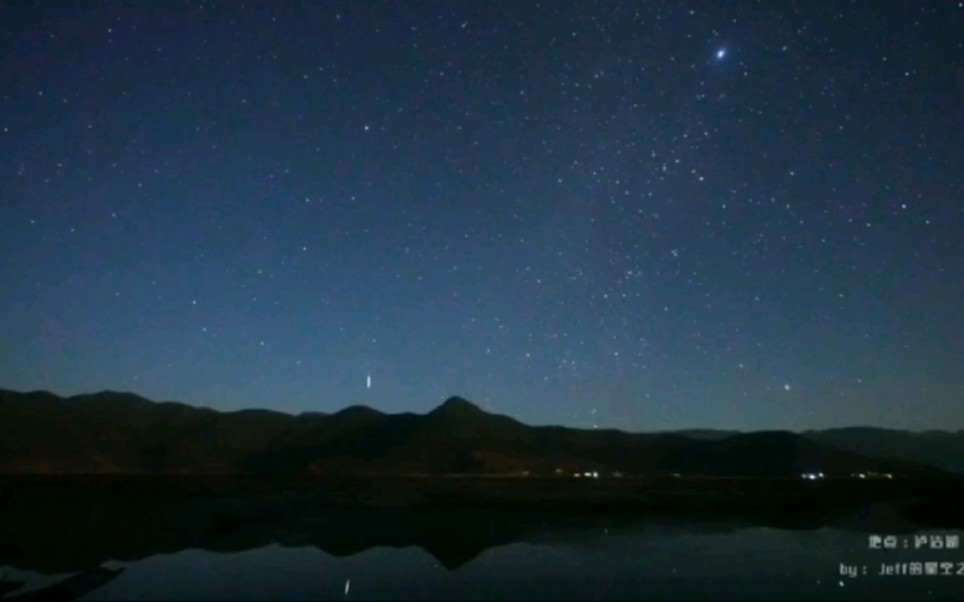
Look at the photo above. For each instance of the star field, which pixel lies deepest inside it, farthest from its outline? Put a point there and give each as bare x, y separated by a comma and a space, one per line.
636, 215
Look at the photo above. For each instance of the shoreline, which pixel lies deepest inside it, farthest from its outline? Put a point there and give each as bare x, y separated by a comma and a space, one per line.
631, 495
52, 523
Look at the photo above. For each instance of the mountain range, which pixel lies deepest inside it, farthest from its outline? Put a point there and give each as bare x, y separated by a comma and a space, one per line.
123, 433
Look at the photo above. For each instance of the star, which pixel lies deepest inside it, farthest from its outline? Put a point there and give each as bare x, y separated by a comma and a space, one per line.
620, 233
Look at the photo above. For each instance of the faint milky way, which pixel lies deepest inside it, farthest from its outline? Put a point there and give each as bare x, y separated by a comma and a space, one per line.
634, 215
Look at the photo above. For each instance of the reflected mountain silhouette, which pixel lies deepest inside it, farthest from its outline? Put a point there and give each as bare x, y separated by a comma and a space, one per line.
8, 585
71, 588
52, 528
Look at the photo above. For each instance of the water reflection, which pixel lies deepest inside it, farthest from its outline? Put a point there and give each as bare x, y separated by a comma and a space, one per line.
638, 561
69, 588
182, 547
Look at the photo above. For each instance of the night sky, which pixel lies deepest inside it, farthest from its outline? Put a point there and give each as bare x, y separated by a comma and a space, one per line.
638, 215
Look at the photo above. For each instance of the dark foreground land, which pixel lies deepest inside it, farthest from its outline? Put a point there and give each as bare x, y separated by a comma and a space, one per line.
61, 524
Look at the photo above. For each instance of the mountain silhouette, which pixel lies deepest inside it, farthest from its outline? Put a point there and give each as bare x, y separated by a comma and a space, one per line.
457, 407
942, 449
123, 433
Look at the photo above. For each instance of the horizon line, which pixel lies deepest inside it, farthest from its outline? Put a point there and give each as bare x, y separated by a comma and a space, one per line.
463, 398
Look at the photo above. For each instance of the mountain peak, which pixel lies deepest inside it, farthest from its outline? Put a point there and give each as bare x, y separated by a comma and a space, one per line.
456, 405
358, 411
109, 395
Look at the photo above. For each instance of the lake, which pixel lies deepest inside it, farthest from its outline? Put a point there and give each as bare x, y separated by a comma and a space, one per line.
612, 560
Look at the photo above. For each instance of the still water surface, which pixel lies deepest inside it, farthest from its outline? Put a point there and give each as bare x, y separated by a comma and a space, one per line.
642, 560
